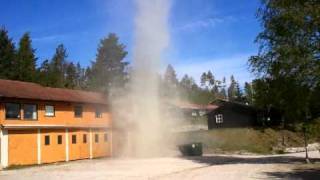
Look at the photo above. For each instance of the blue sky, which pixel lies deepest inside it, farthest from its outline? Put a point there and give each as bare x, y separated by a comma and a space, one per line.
216, 35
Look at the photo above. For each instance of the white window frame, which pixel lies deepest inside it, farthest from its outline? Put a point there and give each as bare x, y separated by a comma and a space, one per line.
202, 112
46, 112
194, 113
219, 118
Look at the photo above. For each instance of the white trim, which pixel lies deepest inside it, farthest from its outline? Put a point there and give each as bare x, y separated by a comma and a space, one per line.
90, 140
67, 144
13, 126
219, 118
39, 146
111, 144
4, 148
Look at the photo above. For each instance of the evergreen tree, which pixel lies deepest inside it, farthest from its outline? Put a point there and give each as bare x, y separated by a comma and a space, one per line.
210, 80
239, 97
81, 78
223, 91
25, 60
234, 91
170, 76
192, 93
203, 79
7, 56
43, 73
58, 67
170, 82
109, 69
188, 83
71, 76
248, 93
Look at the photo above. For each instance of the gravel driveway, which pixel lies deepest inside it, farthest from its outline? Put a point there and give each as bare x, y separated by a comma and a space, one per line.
290, 166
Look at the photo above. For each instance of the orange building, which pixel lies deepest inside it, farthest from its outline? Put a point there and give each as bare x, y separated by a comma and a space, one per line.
43, 125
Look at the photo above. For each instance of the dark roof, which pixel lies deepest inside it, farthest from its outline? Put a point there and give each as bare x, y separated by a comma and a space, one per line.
27, 90
221, 102
187, 105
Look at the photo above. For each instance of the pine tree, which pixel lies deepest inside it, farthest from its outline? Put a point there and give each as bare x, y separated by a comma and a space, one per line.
71, 76
248, 93
80, 77
7, 55
203, 79
187, 83
223, 91
239, 96
43, 71
211, 79
109, 69
170, 76
26, 60
170, 82
58, 67
234, 91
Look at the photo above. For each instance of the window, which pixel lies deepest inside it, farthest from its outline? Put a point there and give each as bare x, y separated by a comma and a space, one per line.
49, 110
30, 111
219, 118
96, 138
194, 113
78, 111
105, 137
12, 110
98, 113
202, 112
59, 139
74, 139
46, 140
84, 138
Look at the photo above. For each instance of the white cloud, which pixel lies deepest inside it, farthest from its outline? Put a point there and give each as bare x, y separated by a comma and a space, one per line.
48, 38
221, 67
206, 23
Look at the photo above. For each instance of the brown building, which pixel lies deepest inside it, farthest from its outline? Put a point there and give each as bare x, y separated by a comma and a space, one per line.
228, 114
43, 125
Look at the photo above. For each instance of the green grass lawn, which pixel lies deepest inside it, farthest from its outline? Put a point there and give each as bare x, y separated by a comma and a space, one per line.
262, 141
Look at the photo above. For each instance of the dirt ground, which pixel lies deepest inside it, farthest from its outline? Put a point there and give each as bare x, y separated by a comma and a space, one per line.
289, 166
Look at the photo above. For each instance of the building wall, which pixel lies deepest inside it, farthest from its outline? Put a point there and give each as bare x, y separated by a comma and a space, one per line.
52, 152
79, 150
64, 114
27, 146
232, 118
22, 147
101, 148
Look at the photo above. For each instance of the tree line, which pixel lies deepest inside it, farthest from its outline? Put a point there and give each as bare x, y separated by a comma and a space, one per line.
106, 71
109, 71
209, 89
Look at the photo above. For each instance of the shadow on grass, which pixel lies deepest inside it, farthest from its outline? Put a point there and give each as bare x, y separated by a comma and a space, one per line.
310, 173
222, 160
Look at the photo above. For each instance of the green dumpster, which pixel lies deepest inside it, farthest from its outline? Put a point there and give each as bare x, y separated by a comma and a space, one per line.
192, 149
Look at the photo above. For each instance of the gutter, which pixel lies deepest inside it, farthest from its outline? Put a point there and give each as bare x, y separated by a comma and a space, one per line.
49, 126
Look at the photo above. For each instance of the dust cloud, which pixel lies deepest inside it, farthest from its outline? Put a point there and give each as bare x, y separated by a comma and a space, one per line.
141, 124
